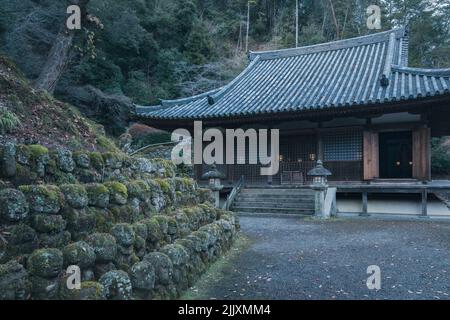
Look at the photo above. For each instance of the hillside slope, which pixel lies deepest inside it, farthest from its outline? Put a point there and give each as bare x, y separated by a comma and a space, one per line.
42, 118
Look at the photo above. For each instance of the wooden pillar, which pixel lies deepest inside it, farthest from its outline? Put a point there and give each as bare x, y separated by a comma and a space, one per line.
424, 202
422, 154
371, 155
364, 204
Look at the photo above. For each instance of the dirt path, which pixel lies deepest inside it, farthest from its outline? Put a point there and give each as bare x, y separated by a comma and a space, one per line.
282, 258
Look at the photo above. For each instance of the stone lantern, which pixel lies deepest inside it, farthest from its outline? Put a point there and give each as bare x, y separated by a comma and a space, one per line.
319, 185
214, 177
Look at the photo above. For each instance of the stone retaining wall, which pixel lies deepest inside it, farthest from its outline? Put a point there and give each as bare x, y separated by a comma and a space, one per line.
134, 228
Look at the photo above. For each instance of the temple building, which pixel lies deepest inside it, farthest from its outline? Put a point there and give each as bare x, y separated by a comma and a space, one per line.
354, 103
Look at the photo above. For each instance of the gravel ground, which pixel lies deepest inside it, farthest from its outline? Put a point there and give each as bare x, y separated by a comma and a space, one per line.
308, 259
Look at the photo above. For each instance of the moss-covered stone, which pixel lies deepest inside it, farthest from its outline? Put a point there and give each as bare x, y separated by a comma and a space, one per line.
117, 285
90, 290
54, 240
43, 198
104, 245
48, 223
82, 159
118, 192
124, 234
13, 205
76, 195
22, 240
177, 254
39, 156
45, 263
154, 234
98, 195
138, 189
23, 154
44, 288
96, 160
163, 267
64, 160
80, 254
113, 160
142, 276
14, 284
8, 160
80, 222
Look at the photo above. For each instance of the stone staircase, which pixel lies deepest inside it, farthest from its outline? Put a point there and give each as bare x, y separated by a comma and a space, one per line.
274, 201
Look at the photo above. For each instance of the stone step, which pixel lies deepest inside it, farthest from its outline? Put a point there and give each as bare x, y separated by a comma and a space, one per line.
277, 191
300, 198
275, 204
273, 210
272, 215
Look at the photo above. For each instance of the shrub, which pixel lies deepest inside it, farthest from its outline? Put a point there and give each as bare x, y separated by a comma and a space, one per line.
8, 121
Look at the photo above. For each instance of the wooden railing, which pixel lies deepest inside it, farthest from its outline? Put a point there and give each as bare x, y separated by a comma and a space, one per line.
230, 199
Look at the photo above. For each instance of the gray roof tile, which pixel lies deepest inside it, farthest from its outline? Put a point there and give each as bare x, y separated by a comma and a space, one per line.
329, 75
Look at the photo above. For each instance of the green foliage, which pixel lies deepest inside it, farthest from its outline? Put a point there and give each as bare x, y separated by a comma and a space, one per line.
440, 156
8, 121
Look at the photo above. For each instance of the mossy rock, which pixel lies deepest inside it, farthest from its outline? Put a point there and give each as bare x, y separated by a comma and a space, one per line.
22, 239
142, 276
138, 189
23, 154
124, 234
14, 206
163, 267
118, 192
44, 288
96, 160
98, 195
154, 234
44, 198
8, 160
89, 290
125, 213
45, 263
76, 195
104, 245
54, 240
163, 222
82, 159
140, 229
24, 176
48, 223
117, 285
113, 160
177, 254
39, 156
104, 219
64, 160
14, 284
80, 254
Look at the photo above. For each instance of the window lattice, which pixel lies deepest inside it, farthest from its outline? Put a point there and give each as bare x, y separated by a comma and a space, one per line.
342, 146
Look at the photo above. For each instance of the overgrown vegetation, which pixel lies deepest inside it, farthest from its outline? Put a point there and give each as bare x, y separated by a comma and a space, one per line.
440, 156
149, 49
8, 121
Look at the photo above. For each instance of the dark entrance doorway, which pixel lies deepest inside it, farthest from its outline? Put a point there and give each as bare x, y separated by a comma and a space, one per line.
396, 155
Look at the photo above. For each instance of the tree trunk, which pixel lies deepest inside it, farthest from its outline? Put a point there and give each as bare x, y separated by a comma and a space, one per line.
59, 55
333, 13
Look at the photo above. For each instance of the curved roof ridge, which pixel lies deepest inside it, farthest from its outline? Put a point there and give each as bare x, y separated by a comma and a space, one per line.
216, 96
440, 72
173, 102
327, 46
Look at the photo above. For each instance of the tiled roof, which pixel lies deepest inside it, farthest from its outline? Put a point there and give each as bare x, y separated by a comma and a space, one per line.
359, 71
